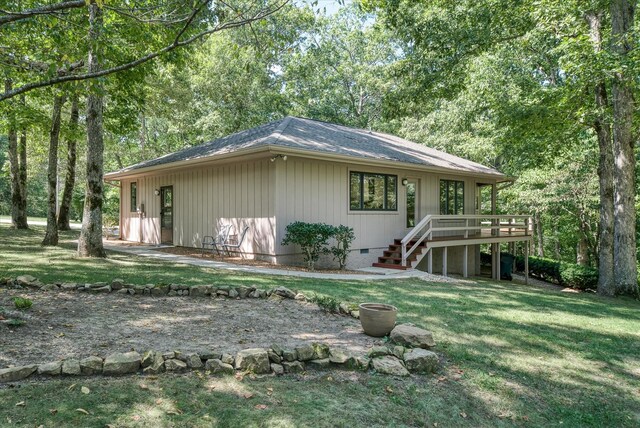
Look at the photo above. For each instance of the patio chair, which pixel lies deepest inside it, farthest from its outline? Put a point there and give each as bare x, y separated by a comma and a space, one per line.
234, 242
217, 242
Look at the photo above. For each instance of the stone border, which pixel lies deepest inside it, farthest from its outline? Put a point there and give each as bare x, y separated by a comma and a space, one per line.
407, 350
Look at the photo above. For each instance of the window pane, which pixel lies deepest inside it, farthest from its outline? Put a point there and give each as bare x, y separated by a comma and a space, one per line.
134, 197
354, 191
373, 192
443, 197
411, 204
392, 192
459, 197
451, 198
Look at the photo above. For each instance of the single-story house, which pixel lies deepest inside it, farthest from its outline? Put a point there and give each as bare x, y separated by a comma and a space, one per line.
411, 206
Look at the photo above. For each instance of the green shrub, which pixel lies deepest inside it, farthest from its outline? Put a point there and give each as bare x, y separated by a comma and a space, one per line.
561, 273
22, 302
344, 236
15, 323
311, 237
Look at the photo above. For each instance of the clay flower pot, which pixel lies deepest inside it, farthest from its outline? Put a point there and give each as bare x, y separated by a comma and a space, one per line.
377, 319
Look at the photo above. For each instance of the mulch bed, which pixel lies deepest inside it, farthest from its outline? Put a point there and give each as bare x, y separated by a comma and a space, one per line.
62, 325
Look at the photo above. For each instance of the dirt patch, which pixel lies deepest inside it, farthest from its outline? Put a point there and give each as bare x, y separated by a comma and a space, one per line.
197, 253
77, 325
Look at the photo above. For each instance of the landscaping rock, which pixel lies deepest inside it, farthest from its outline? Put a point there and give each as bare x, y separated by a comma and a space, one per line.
91, 365
13, 374
293, 366
421, 361
412, 336
210, 355
319, 364
233, 293
277, 369
217, 366
49, 287
174, 365
117, 284
243, 292
255, 360
156, 367
338, 356
300, 297
277, 349
320, 351
148, 358
25, 279
169, 355
194, 362
288, 355
104, 289
284, 292
343, 308
273, 357
227, 359
305, 352
121, 363
200, 290
363, 362
378, 351
69, 286
71, 368
50, 369
389, 365
355, 314
398, 351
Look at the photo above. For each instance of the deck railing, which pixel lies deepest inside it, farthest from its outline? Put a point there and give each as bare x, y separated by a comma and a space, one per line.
464, 226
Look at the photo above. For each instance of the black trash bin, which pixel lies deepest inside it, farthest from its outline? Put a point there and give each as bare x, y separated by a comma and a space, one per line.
506, 266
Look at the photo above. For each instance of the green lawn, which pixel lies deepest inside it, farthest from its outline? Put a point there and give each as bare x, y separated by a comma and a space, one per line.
515, 355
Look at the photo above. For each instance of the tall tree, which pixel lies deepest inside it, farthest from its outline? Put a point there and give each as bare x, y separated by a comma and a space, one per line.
17, 158
90, 241
624, 235
70, 174
51, 235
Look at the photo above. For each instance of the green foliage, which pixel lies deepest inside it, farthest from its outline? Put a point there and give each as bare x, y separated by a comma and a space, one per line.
326, 303
14, 322
561, 273
311, 237
22, 303
344, 237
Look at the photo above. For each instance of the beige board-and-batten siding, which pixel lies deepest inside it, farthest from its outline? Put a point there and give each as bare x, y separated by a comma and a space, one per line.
205, 198
318, 191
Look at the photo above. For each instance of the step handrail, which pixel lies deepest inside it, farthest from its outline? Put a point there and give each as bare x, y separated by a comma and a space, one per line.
496, 225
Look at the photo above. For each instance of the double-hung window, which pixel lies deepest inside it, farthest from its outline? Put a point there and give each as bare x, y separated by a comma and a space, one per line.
134, 197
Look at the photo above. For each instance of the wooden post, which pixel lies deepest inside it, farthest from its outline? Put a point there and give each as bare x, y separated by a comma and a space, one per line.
465, 271
444, 261
430, 261
526, 264
498, 261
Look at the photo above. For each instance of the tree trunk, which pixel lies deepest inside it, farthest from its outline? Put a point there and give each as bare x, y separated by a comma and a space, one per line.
582, 252
539, 235
51, 236
624, 235
22, 181
70, 177
602, 127
90, 242
18, 214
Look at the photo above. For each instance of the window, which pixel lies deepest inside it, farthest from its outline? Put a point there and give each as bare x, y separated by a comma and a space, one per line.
373, 192
134, 197
451, 197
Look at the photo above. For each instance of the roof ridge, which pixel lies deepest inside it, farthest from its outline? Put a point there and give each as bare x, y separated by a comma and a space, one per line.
277, 133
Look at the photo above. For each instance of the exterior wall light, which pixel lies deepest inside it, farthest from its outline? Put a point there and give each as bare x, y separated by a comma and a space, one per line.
405, 181
156, 192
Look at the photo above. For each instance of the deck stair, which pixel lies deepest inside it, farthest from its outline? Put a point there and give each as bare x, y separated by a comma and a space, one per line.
392, 258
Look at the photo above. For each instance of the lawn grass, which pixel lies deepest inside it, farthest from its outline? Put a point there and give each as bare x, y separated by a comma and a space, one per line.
514, 356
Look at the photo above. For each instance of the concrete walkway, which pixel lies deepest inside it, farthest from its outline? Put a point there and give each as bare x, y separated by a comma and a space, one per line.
372, 273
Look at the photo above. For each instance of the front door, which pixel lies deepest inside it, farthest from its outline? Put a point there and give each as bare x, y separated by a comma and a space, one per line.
166, 215
412, 203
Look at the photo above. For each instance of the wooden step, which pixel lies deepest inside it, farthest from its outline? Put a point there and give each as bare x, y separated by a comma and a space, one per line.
390, 266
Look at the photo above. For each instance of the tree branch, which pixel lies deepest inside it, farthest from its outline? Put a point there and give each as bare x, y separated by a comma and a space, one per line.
43, 10
175, 44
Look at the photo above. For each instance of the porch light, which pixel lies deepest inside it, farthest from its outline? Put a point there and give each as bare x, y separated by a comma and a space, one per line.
405, 181
156, 192
283, 157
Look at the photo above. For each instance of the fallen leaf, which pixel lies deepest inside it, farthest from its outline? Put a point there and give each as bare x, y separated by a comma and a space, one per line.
60, 334
85, 390
442, 379
82, 411
2, 318
248, 395
270, 389
260, 406
159, 401
239, 377
73, 385
388, 389
135, 417
174, 412
144, 386
53, 411
21, 404
463, 414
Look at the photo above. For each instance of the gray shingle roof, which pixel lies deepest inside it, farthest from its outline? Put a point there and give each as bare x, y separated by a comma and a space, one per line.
323, 138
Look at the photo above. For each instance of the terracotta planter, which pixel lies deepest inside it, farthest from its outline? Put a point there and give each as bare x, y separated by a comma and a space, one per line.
377, 319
